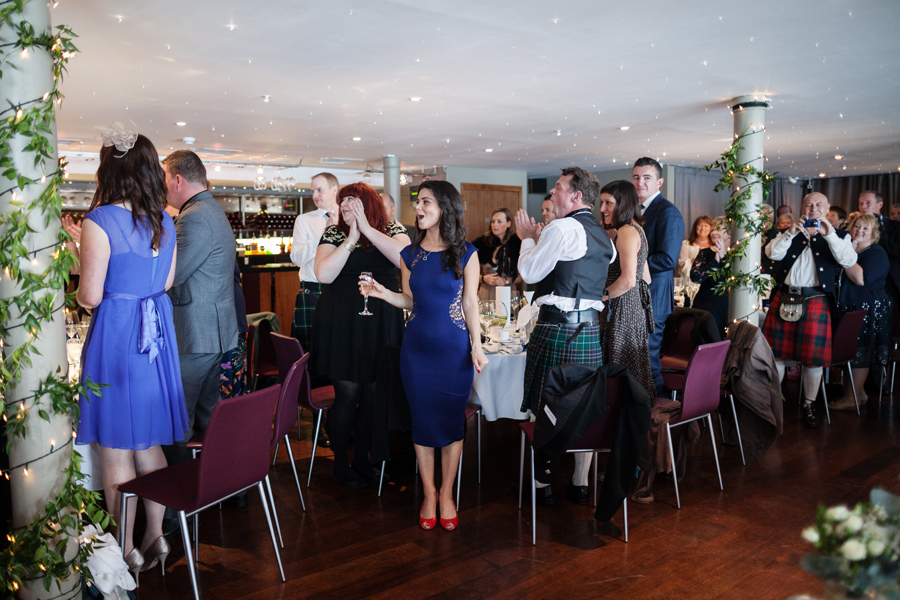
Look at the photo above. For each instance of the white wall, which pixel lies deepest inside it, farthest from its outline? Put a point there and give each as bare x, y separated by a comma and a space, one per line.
460, 175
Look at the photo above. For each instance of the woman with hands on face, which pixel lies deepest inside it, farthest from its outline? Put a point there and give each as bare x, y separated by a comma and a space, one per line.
442, 342
345, 344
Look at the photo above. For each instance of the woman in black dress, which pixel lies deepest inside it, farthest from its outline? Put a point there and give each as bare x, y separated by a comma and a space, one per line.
347, 344
709, 259
862, 288
498, 251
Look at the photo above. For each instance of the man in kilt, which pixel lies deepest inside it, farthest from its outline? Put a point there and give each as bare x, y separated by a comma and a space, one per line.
806, 258
308, 229
568, 259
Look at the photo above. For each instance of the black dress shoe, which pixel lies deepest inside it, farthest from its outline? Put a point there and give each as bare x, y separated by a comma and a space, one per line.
543, 495
577, 494
810, 419
238, 501
350, 479
324, 440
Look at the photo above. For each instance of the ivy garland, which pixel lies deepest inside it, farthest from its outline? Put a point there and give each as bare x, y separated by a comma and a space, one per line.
38, 550
740, 178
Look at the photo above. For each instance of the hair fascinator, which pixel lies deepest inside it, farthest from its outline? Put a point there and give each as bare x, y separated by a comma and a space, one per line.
116, 135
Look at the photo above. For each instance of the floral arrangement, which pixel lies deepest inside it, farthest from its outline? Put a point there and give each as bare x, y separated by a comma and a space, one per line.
858, 548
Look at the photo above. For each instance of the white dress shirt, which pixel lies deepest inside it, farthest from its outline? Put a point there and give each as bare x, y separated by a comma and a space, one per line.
562, 240
803, 273
308, 229
646, 203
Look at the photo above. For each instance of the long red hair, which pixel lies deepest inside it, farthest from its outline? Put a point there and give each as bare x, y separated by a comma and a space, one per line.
372, 205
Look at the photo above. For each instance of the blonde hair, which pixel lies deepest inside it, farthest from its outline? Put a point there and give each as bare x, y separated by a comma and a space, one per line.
871, 221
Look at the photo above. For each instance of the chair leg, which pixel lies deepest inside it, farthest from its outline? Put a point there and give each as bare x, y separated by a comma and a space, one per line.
737, 428
825, 398
312, 458
715, 452
275, 454
533, 503
197, 537
893, 373
458, 478
521, 468
478, 416
853, 387
625, 516
381, 477
596, 454
287, 444
123, 516
192, 569
672, 458
299, 423
881, 385
262, 496
274, 510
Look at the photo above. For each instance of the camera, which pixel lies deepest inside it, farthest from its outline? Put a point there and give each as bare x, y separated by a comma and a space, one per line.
811, 223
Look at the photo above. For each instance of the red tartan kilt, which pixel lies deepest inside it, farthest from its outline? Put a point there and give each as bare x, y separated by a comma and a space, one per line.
807, 340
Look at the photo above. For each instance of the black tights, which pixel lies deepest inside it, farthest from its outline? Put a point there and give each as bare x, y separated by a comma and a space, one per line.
354, 407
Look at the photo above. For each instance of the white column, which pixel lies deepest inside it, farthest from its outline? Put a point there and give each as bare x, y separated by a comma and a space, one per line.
31, 78
750, 119
392, 179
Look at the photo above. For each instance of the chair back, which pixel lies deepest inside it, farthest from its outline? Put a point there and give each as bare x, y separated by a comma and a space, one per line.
845, 337
266, 361
702, 380
286, 411
681, 345
251, 352
236, 444
601, 434
287, 352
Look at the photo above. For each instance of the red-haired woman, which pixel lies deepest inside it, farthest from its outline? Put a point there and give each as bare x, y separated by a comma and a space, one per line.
347, 344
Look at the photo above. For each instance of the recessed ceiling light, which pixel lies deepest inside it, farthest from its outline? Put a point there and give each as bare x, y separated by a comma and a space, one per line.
356, 139
415, 99
838, 157
181, 123
488, 149
821, 174
231, 26
624, 128
218, 167
266, 97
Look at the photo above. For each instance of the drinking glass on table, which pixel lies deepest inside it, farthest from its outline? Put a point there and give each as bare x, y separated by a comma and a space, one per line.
70, 325
365, 279
487, 313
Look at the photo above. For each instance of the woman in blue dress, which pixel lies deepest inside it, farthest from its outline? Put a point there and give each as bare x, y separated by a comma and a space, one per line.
127, 262
442, 342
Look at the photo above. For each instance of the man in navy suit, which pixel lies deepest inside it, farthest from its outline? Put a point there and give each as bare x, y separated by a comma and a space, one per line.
664, 228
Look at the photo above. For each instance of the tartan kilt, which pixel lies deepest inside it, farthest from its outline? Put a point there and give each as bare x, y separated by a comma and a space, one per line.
547, 348
808, 340
304, 312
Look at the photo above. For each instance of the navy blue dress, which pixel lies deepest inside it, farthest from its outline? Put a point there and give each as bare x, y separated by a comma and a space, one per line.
875, 337
436, 364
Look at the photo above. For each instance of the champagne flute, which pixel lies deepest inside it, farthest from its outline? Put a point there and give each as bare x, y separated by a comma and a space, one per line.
366, 278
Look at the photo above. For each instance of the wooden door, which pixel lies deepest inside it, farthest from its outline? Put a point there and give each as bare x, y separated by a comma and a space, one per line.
481, 200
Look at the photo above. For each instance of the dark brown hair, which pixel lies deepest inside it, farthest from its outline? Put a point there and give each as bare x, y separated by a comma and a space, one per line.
452, 227
585, 182
646, 161
137, 178
628, 207
188, 165
372, 205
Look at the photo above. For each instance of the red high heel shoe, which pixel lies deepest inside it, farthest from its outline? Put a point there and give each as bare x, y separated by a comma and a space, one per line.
428, 524
450, 524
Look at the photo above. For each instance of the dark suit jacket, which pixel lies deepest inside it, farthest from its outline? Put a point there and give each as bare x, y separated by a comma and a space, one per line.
890, 242
203, 291
664, 228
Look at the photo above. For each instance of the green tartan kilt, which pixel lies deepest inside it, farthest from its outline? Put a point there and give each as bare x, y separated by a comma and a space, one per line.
548, 348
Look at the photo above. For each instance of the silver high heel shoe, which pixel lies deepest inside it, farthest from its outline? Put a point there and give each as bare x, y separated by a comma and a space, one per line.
157, 552
135, 560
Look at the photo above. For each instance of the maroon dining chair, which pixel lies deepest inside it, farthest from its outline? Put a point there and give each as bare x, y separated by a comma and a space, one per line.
599, 438
699, 399
844, 342
235, 458
678, 351
288, 351
265, 363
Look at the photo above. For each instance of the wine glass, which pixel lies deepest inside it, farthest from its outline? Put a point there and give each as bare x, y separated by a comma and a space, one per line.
366, 284
70, 325
487, 313
73, 353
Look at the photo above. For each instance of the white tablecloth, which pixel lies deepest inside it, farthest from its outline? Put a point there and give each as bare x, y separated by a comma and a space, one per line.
499, 388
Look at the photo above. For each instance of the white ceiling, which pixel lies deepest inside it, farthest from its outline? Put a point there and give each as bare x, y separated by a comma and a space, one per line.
504, 75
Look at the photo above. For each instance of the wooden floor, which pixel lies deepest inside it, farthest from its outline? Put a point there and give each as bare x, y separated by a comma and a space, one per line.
740, 543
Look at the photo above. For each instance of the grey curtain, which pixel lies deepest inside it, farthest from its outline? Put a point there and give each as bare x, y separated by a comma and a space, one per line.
844, 191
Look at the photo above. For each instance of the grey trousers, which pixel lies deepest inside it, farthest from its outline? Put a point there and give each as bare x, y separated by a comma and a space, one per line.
200, 379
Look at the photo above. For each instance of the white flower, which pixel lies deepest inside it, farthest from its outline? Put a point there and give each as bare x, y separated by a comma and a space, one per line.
837, 513
876, 547
811, 535
853, 523
853, 550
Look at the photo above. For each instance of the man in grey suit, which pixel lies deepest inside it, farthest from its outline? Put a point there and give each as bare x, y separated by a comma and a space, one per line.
202, 293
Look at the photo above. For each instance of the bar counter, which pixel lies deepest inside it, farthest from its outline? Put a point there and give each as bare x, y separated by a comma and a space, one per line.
270, 283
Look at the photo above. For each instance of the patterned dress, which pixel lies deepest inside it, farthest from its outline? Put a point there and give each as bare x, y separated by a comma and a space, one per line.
628, 323
875, 336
